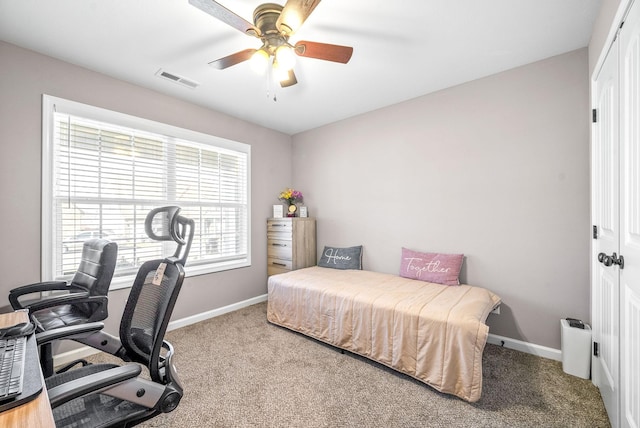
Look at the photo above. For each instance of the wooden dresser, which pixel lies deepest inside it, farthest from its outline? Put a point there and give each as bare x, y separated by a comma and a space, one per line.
291, 244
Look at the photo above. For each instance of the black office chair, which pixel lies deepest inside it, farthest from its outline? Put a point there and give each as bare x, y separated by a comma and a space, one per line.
110, 395
84, 299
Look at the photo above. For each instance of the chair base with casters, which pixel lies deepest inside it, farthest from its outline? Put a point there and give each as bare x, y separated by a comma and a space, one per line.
115, 395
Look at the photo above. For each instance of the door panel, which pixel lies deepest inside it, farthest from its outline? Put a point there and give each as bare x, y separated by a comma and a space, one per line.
605, 185
630, 217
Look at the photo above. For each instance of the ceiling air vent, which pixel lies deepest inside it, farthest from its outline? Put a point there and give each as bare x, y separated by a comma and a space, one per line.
177, 79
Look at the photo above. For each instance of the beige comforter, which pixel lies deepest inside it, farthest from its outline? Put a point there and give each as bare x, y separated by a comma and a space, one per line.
434, 333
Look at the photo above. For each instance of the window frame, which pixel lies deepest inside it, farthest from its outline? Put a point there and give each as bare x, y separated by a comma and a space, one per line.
51, 105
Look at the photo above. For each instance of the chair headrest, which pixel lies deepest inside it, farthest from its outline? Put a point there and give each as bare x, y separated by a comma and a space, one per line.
166, 224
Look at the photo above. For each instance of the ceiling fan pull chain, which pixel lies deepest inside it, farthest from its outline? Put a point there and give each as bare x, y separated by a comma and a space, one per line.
269, 81
271, 86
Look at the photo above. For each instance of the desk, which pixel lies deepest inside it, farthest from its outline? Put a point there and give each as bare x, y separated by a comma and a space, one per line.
37, 412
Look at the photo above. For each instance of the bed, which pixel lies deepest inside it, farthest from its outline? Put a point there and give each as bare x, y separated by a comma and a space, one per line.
432, 332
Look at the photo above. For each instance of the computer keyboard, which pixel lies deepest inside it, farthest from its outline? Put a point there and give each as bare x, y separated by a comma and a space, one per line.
12, 352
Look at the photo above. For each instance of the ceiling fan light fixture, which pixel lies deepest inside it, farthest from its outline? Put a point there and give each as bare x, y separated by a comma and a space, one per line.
280, 73
260, 61
286, 57
290, 80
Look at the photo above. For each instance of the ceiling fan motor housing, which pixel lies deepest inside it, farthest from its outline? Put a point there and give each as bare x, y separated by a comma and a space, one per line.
264, 18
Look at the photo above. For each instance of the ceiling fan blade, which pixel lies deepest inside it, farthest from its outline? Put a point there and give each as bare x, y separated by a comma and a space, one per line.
220, 12
325, 51
289, 81
232, 59
293, 15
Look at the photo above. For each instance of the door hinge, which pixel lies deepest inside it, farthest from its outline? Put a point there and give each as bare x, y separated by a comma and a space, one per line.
596, 351
595, 232
594, 115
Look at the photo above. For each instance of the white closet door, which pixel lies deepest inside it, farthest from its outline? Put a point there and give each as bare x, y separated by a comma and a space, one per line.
630, 218
605, 193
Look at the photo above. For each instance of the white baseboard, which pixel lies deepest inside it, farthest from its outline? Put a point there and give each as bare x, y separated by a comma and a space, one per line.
529, 348
85, 351
215, 312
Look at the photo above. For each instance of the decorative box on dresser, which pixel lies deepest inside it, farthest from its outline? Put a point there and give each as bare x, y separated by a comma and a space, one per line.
291, 244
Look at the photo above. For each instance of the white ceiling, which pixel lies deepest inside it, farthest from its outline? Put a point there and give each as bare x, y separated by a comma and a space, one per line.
402, 49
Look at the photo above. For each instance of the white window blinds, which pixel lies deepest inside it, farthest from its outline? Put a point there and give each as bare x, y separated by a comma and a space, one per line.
106, 177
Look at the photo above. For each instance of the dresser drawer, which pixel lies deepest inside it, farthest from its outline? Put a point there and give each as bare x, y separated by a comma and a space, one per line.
274, 263
279, 249
280, 226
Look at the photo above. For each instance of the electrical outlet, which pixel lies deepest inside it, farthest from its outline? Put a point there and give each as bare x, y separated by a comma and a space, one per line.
496, 311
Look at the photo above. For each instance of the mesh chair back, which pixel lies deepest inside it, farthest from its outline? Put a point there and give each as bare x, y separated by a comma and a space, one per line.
148, 311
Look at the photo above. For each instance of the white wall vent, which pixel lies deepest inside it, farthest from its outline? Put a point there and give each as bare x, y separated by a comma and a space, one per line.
177, 79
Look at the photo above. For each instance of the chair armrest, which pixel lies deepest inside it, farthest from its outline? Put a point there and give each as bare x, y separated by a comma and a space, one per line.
34, 288
66, 299
70, 332
93, 383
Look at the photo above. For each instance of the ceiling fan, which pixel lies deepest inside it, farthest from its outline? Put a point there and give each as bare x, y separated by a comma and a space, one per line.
274, 25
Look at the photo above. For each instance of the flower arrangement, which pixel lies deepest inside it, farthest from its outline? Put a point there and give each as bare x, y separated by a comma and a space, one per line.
290, 196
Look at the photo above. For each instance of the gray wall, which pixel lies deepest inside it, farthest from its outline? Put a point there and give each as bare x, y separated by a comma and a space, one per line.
497, 169
24, 77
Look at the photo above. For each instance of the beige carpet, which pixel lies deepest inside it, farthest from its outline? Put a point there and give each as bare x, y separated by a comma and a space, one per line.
240, 371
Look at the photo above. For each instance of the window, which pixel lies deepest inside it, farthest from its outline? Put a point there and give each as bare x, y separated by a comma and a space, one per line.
104, 171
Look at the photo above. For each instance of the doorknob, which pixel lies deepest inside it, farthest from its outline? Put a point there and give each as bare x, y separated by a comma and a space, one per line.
613, 259
604, 259
618, 260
